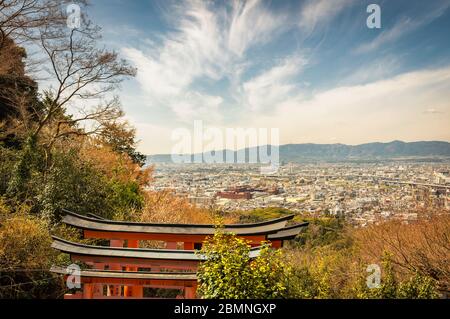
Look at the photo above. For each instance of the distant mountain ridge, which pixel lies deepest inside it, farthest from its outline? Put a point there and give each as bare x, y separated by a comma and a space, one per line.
310, 152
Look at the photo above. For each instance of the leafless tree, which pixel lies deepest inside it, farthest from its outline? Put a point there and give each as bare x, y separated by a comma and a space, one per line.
20, 20
81, 72
422, 246
77, 68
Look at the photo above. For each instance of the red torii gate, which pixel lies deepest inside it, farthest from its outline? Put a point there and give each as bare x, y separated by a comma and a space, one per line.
122, 263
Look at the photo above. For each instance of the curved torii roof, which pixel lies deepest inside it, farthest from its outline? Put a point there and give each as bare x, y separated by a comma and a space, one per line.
122, 252
104, 225
78, 249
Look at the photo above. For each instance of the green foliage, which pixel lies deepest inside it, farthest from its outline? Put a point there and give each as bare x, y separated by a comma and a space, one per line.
24, 242
8, 159
228, 271
121, 138
68, 183
73, 185
4, 209
269, 274
322, 232
318, 276
302, 284
388, 289
125, 196
26, 168
418, 287
261, 214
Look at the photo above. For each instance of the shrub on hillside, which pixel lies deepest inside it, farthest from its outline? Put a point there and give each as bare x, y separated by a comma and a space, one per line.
229, 273
25, 258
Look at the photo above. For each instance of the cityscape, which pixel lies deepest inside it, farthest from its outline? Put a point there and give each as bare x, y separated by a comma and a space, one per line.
361, 193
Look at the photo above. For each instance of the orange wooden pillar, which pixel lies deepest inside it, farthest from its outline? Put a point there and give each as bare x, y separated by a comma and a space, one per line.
137, 292
131, 291
115, 290
127, 290
98, 288
277, 244
190, 292
88, 291
133, 243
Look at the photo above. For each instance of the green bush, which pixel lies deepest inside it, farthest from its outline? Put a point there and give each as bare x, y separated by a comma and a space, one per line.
73, 185
261, 214
322, 232
229, 273
418, 287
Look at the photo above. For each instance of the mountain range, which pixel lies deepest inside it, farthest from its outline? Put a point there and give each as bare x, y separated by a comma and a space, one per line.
396, 150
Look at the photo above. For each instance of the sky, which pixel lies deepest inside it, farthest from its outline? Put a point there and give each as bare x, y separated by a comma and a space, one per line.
313, 69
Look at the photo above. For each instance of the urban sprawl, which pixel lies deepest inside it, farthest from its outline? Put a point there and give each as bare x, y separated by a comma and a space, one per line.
360, 193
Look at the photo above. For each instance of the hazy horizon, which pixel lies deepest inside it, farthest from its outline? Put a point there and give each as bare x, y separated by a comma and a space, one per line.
312, 143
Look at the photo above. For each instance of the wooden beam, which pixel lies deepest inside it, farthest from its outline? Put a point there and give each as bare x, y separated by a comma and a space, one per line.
139, 262
77, 295
159, 237
160, 283
171, 245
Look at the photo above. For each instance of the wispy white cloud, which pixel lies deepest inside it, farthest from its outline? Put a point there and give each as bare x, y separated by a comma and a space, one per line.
383, 67
194, 105
402, 27
252, 23
192, 50
273, 86
318, 12
207, 43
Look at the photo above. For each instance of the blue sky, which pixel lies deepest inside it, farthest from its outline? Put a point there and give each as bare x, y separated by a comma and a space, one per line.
313, 69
